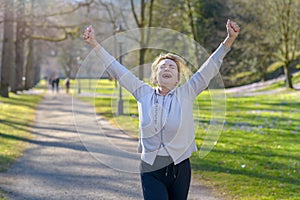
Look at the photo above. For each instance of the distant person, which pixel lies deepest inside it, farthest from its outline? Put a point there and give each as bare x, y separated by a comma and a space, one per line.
167, 137
53, 84
57, 85
67, 84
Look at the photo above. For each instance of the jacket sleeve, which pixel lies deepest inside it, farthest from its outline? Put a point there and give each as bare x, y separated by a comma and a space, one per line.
125, 78
200, 80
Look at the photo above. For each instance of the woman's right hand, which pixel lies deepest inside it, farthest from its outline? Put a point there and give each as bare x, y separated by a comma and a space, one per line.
90, 37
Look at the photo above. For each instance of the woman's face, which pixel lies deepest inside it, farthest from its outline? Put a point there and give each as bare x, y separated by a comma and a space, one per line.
167, 74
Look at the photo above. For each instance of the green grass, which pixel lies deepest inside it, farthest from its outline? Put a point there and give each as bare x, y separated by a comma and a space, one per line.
281, 84
16, 115
258, 153
42, 85
103, 86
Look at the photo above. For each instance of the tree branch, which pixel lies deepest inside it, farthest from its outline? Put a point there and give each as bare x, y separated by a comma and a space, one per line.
79, 5
57, 39
150, 20
134, 14
112, 19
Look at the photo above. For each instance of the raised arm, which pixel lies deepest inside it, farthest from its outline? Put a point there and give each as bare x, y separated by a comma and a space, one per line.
233, 31
115, 69
90, 37
200, 80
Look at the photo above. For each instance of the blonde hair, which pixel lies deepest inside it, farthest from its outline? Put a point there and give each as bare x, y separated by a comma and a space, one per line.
181, 66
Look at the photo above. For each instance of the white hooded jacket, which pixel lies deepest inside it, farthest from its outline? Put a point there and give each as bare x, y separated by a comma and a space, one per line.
166, 122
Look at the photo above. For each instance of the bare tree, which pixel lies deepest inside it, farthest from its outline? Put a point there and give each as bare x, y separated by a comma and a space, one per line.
255, 50
20, 43
144, 20
41, 26
191, 17
29, 69
7, 62
270, 39
286, 18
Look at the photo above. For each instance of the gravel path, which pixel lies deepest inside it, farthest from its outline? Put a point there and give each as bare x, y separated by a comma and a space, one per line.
56, 164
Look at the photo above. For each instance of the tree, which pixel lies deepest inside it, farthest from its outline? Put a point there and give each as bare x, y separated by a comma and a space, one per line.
254, 51
286, 18
144, 20
29, 65
207, 20
269, 39
32, 25
7, 62
192, 23
44, 25
20, 44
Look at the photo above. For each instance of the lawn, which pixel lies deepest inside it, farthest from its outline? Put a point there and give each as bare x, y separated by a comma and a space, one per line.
16, 115
257, 155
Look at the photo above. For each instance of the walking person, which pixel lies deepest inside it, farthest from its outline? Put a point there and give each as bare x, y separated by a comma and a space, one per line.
53, 84
166, 120
57, 84
67, 84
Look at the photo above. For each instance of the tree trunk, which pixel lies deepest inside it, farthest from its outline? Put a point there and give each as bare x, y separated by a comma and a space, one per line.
142, 54
194, 33
142, 61
12, 73
29, 65
142, 23
29, 71
37, 69
7, 49
142, 42
20, 43
288, 77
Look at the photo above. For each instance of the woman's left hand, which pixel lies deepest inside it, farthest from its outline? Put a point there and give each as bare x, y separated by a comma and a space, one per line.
233, 29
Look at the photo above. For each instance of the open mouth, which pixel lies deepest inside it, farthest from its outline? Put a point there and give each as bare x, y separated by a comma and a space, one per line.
167, 76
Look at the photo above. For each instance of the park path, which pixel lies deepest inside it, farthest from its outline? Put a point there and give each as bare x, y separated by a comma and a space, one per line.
253, 88
56, 164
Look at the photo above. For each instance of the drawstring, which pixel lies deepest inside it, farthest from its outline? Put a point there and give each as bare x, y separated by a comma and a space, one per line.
174, 171
167, 169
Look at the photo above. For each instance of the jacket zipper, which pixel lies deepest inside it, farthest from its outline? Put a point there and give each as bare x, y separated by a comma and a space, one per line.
161, 123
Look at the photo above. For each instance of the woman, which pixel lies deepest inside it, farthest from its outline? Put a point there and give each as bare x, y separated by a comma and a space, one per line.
165, 112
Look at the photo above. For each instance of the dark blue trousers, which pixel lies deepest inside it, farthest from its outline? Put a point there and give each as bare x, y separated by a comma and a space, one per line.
168, 182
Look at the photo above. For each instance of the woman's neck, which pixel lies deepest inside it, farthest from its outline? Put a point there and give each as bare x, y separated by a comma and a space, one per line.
163, 90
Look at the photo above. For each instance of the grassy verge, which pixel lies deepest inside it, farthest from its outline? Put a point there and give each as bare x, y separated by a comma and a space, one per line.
16, 115
257, 155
